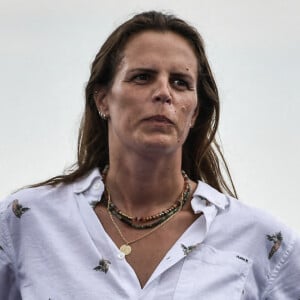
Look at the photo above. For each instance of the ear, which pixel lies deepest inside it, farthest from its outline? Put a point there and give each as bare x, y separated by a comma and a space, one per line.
194, 117
100, 98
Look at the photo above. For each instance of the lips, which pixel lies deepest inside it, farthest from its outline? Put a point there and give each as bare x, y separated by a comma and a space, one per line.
159, 118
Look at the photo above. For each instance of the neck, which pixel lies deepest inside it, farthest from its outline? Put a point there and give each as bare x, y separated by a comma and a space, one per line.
144, 187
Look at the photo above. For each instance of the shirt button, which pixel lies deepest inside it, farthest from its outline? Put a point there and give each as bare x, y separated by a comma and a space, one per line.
96, 185
121, 255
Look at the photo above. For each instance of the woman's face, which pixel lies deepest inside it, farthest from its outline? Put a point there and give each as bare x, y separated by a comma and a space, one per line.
152, 102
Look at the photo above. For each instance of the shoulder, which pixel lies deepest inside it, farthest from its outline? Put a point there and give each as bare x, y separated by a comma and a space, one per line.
44, 193
246, 226
235, 214
268, 236
248, 229
272, 247
32, 196
249, 218
33, 211
46, 196
30, 208
257, 229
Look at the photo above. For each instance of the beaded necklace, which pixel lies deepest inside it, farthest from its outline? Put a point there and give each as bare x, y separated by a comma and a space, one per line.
153, 220
167, 215
126, 249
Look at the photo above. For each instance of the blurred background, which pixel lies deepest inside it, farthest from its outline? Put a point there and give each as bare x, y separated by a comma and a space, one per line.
253, 48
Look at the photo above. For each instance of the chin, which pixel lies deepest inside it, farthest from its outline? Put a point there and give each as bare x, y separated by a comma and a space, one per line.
161, 145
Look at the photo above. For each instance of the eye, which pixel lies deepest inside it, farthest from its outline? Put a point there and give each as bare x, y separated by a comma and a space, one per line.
180, 83
141, 78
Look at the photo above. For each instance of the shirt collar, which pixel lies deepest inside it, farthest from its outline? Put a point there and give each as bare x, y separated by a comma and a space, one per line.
204, 193
208, 201
84, 183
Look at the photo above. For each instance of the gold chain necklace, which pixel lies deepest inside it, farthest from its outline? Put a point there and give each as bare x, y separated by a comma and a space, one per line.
126, 248
185, 194
149, 222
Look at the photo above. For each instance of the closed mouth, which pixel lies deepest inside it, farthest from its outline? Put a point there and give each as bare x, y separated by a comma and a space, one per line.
159, 118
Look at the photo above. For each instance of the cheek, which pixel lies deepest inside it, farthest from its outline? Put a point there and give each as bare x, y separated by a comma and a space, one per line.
188, 110
119, 104
183, 109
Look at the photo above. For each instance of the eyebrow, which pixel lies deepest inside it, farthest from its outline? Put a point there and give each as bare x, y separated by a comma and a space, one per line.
184, 75
153, 71
147, 70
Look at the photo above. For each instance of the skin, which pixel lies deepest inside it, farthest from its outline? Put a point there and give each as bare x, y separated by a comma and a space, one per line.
151, 106
146, 85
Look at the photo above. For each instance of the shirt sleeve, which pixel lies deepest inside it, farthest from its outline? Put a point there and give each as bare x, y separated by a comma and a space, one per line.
8, 283
8, 287
284, 282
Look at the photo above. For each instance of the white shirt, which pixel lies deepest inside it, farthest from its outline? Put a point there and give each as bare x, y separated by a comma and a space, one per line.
53, 246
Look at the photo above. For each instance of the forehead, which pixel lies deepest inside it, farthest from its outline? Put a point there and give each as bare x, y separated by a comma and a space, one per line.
154, 48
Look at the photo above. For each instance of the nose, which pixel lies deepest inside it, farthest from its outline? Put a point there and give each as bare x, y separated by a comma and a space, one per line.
162, 92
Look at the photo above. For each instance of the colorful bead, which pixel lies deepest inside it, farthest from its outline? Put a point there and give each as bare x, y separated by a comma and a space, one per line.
153, 220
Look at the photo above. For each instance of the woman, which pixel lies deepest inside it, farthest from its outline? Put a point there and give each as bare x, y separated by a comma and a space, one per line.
143, 214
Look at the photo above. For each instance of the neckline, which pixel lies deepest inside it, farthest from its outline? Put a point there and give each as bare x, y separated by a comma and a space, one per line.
107, 248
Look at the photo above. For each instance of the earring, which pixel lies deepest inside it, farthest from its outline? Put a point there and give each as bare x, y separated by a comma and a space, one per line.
102, 115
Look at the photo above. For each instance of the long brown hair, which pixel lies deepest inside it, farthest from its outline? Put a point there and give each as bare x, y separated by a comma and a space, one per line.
202, 158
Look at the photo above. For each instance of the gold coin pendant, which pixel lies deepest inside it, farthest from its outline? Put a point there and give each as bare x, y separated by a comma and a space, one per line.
126, 249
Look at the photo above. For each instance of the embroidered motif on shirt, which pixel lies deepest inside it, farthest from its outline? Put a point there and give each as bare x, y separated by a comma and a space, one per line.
188, 249
276, 238
18, 209
103, 265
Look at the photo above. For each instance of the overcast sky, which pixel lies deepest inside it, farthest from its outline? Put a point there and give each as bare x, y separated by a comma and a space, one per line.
253, 47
